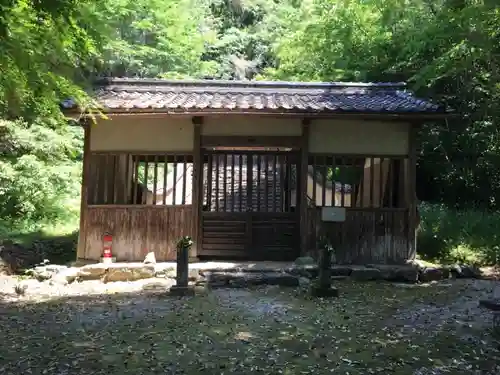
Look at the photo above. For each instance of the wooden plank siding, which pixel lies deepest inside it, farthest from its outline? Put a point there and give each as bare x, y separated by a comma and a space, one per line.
366, 236
373, 190
137, 230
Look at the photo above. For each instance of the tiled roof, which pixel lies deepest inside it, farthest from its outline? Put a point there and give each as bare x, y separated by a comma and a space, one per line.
170, 95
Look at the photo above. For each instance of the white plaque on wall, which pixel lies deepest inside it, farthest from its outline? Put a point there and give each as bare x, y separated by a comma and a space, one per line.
333, 214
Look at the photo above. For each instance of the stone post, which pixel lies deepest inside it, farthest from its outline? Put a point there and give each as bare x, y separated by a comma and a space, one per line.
323, 286
182, 273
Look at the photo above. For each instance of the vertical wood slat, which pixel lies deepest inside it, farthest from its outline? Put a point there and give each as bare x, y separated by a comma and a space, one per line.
258, 183
314, 180
82, 234
344, 161
105, 174
240, 181
264, 164
127, 178
333, 194
233, 197
184, 184
135, 178
282, 183
361, 195
390, 182
155, 178
249, 182
302, 186
210, 163
145, 189
412, 182
324, 180
274, 183
372, 176
217, 182
174, 181
197, 188
224, 183
165, 179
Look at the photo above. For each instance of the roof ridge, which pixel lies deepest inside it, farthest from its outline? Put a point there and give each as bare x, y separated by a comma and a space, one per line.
244, 84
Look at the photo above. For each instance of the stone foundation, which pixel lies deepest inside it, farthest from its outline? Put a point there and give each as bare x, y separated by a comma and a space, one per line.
244, 275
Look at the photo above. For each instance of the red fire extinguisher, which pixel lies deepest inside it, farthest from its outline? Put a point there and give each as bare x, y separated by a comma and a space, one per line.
107, 244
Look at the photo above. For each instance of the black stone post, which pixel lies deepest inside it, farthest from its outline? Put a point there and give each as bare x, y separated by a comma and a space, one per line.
323, 287
182, 274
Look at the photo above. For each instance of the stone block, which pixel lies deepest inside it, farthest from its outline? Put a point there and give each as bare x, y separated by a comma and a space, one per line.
397, 273
434, 274
339, 270
365, 274
303, 261
92, 272
128, 273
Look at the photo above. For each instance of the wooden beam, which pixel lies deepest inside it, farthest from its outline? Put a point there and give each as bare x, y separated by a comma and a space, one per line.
411, 194
197, 188
386, 116
82, 235
251, 141
304, 161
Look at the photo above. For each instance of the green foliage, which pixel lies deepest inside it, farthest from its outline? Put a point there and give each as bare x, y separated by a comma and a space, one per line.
45, 47
39, 179
449, 235
447, 50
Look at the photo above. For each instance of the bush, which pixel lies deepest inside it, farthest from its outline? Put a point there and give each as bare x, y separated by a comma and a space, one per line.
467, 236
39, 175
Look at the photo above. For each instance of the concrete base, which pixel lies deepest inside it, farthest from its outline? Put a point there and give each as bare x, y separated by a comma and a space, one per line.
182, 291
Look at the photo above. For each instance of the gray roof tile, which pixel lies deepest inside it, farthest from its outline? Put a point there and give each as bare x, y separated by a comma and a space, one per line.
170, 95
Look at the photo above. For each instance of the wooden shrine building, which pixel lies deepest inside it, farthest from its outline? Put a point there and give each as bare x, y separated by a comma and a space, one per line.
246, 169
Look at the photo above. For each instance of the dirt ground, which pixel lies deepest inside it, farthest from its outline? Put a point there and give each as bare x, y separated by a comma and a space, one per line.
373, 328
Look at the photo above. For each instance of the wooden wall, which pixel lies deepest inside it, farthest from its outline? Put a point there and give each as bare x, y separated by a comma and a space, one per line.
137, 230
367, 236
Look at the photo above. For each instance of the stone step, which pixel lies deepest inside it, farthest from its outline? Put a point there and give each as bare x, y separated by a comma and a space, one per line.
224, 279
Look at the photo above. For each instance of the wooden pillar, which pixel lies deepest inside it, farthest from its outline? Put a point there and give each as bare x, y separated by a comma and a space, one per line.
411, 194
302, 196
80, 253
197, 188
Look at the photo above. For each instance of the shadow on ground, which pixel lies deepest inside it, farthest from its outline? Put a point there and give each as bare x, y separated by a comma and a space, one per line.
27, 250
373, 328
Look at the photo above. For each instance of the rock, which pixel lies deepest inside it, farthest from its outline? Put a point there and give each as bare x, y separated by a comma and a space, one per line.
168, 272
304, 261
304, 282
158, 285
243, 280
309, 271
92, 272
66, 276
434, 274
150, 258
193, 274
397, 273
338, 270
365, 274
465, 271
42, 273
212, 279
39, 273
15, 258
129, 273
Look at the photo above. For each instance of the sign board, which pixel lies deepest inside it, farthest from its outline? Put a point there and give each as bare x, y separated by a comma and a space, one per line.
335, 214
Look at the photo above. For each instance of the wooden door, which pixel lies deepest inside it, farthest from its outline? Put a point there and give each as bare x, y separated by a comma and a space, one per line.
249, 208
